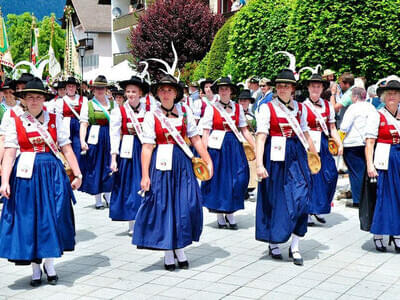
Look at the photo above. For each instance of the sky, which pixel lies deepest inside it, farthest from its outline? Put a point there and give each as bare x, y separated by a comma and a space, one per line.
40, 8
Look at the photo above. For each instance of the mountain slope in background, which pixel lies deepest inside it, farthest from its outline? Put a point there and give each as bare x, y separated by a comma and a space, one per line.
40, 8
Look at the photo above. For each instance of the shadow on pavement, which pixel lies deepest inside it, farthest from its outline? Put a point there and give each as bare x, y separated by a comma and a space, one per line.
244, 222
84, 235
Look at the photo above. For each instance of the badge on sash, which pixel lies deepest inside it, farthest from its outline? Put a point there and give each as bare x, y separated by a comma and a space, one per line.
66, 123
25, 164
93, 138
316, 138
164, 157
216, 139
127, 146
381, 157
278, 148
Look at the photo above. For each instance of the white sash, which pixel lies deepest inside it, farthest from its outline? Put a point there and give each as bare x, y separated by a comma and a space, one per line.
135, 122
43, 133
71, 107
293, 123
229, 121
173, 132
319, 117
389, 116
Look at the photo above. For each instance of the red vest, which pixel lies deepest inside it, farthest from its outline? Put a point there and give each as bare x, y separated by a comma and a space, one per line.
219, 122
67, 112
280, 126
312, 119
387, 134
32, 141
126, 124
162, 134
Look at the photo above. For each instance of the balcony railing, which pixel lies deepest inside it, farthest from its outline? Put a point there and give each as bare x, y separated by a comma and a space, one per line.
120, 57
128, 20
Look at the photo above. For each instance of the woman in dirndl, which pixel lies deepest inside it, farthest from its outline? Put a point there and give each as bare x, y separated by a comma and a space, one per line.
126, 136
170, 216
37, 220
321, 121
383, 164
95, 144
69, 106
224, 194
284, 193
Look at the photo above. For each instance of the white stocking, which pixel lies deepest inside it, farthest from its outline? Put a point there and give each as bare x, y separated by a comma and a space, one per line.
107, 196
295, 246
231, 218
49, 265
169, 257
221, 219
36, 272
99, 202
275, 249
180, 255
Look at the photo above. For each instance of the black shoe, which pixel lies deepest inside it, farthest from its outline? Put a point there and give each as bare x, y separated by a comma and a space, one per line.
231, 226
36, 282
296, 261
105, 200
393, 239
274, 256
320, 219
170, 268
50, 279
222, 226
100, 207
380, 248
181, 264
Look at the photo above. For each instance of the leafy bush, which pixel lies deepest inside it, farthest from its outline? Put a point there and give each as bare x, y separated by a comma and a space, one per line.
188, 70
201, 68
188, 23
358, 36
219, 50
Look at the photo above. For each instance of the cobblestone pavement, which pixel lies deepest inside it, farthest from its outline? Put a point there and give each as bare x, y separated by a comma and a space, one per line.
340, 263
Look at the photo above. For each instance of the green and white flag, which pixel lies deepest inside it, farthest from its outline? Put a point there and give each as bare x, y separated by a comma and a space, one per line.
5, 54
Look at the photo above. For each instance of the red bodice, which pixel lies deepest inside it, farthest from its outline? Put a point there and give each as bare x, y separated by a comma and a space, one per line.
219, 122
313, 121
67, 112
280, 126
126, 124
32, 141
162, 134
387, 134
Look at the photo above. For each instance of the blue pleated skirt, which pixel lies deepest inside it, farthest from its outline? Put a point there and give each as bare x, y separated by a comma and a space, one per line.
74, 127
283, 198
386, 219
38, 220
226, 190
125, 200
95, 164
170, 215
324, 183
354, 157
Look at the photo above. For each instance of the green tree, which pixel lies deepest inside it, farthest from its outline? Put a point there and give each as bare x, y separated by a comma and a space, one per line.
19, 35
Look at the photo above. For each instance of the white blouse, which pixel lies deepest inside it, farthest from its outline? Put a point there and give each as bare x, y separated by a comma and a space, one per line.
116, 124
149, 133
321, 110
17, 110
372, 126
59, 103
85, 109
263, 116
11, 136
207, 121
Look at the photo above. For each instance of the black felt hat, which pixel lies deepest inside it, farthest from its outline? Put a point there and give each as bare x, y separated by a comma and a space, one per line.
25, 77
35, 86
168, 80
72, 80
225, 81
135, 80
317, 78
246, 94
204, 82
8, 84
285, 76
392, 85
100, 82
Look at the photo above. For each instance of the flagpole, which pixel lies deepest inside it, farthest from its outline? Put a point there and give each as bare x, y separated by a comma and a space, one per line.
31, 45
1, 57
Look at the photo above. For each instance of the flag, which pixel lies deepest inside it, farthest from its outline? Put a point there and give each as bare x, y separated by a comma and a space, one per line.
71, 60
54, 65
34, 41
5, 54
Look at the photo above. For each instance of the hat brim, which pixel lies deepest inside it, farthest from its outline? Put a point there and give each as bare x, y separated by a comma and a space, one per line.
274, 82
100, 84
177, 86
325, 83
235, 88
380, 90
142, 85
48, 96
203, 84
252, 100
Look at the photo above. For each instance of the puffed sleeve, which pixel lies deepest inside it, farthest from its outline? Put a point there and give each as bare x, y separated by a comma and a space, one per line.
206, 122
10, 131
191, 129
242, 118
149, 132
62, 132
115, 129
85, 111
331, 113
263, 119
196, 108
372, 128
58, 106
303, 119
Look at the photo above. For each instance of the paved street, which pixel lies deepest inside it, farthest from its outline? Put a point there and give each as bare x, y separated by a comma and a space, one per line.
340, 263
